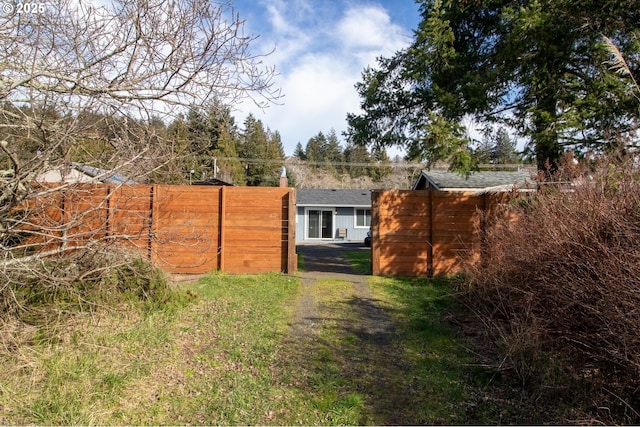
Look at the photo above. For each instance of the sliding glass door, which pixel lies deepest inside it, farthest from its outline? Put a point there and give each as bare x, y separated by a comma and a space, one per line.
320, 225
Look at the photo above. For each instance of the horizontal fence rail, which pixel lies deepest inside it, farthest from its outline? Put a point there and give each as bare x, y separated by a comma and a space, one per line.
181, 229
428, 233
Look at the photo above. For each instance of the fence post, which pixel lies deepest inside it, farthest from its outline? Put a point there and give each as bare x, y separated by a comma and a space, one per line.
292, 261
483, 228
153, 193
221, 228
430, 268
375, 233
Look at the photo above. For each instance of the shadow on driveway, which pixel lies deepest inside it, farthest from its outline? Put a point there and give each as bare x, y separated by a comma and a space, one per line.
327, 257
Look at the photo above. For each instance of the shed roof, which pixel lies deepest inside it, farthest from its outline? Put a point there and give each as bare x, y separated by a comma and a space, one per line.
329, 197
500, 180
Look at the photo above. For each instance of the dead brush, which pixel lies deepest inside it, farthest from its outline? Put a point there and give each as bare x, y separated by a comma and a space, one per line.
40, 296
559, 291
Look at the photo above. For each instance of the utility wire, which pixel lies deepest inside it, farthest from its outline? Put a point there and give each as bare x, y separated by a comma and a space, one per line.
366, 165
328, 163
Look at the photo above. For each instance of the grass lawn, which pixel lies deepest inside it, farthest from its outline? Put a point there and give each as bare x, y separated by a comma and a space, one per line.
229, 356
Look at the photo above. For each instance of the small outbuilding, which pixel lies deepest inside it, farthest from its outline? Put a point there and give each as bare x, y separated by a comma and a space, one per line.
326, 215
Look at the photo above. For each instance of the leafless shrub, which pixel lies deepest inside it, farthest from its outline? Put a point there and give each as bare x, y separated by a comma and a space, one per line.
559, 289
96, 84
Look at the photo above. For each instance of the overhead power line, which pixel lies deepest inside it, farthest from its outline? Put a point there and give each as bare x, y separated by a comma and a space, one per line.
327, 163
365, 164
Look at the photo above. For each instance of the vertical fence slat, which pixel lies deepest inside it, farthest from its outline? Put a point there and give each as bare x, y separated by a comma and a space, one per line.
375, 232
430, 268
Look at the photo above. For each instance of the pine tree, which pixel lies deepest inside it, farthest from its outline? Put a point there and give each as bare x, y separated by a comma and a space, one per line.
263, 152
313, 150
540, 66
504, 149
383, 164
299, 152
333, 155
354, 156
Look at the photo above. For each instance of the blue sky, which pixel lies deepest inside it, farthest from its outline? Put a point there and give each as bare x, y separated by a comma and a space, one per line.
321, 48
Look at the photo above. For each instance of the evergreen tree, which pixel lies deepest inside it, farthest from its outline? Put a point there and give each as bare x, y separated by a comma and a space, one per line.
229, 167
211, 134
276, 149
299, 152
541, 65
332, 152
504, 149
483, 154
383, 164
313, 151
496, 147
355, 155
263, 152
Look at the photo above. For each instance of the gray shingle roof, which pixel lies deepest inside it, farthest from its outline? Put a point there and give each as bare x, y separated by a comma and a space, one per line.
444, 180
322, 197
103, 175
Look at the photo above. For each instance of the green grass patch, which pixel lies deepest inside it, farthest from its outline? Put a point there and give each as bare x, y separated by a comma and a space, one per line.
435, 359
208, 362
360, 260
238, 349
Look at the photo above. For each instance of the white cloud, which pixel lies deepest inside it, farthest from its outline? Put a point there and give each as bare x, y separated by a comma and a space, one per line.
320, 60
368, 27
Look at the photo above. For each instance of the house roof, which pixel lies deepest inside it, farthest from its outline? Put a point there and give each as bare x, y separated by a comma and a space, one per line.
103, 175
79, 173
483, 180
328, 197
214, 181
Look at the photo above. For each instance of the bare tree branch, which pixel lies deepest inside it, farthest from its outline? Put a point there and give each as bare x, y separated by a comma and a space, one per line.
94, 83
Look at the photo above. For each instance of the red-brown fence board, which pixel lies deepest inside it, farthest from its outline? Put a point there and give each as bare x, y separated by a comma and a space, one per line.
40, 218
417, 233
85, 211
129, 219
182, 229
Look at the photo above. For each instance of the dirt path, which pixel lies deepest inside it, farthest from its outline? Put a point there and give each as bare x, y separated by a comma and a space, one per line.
327, 263
341, 328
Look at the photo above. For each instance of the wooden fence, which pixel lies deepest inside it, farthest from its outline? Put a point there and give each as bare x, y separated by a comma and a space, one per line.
182, 229
427, 233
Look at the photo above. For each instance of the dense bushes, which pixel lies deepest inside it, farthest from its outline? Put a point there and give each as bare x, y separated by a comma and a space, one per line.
559, 290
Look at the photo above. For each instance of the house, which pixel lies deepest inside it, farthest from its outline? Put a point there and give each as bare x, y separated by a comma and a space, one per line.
79, 173
482, 181
332, 215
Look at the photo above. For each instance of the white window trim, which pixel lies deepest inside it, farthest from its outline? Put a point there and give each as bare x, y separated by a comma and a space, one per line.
355, 218
306, 222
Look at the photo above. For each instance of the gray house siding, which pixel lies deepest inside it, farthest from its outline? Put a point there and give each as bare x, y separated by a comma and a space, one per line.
322, 214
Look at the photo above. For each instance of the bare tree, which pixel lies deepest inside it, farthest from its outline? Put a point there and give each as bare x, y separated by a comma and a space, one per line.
84, 81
